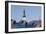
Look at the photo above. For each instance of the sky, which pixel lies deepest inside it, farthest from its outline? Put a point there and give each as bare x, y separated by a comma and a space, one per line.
32, 12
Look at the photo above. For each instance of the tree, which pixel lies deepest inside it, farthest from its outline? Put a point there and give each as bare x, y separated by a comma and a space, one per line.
14, 22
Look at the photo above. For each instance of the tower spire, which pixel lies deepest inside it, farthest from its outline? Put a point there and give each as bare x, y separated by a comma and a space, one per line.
24, 15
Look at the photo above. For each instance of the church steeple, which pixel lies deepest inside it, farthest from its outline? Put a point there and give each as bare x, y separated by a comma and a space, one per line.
24, 15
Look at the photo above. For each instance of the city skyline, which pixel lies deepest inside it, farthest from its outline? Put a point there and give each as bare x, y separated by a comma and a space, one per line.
32, 12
